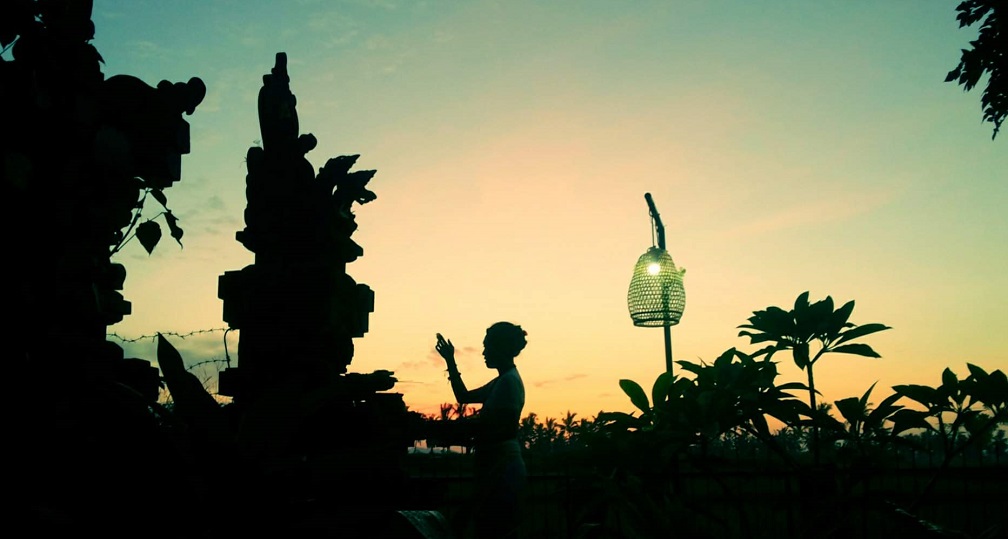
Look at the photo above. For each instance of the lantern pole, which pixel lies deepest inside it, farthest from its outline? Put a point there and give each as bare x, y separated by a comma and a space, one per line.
660, 230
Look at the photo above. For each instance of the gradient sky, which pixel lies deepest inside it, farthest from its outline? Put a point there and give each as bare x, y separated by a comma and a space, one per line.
788, 145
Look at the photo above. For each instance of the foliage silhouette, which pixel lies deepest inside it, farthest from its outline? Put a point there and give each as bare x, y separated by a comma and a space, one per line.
961, 413
729, 401
808, 323
862, 432
988, 55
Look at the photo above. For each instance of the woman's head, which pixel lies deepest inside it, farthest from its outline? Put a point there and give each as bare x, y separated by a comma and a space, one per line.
503, 342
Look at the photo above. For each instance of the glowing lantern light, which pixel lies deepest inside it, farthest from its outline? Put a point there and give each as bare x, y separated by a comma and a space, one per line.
656, 297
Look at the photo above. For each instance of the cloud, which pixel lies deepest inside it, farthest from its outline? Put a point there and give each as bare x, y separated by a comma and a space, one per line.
414, 365
110, 15
339, 28
147, 50
388, 5
209, 216
215, 202
817, 212
441, 36
378, 42
565, 379
340, 39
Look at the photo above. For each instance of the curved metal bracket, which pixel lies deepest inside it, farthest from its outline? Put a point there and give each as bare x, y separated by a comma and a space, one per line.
659, 227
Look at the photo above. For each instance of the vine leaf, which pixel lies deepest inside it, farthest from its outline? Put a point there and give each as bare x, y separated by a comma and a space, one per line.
176, 231
159, 195
149, 234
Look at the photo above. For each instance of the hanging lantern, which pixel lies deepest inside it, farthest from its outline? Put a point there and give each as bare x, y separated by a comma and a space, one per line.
656, 296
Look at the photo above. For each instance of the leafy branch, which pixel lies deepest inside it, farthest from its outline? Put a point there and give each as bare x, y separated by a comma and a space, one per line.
148, 233
988, 55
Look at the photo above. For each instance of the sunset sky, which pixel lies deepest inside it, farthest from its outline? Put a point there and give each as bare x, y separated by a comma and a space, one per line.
789, 146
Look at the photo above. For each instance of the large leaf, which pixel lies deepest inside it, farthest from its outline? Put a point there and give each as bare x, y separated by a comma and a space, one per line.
851, 410
800, 353
159, 196
975, 371
857, 349
811, 322
620, 421
883, 411
190, 398
989, 389
801, 302
169, 358
787, 411
755, 338
905, 419
839, 318
176, 231
928, 396
689, 366
949, 380
864, 398
792, 385
768, 351
660, 389
861, 331
608, 417
822, 312
724, 359
636, 394
775, 322
149, 234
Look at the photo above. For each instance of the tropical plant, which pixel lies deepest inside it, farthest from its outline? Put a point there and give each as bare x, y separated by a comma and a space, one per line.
734, 394
527, 430
567, 427
959, 413
804, 325
675, 425
863, 432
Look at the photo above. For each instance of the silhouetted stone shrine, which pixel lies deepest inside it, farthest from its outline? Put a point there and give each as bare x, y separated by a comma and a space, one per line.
322, 432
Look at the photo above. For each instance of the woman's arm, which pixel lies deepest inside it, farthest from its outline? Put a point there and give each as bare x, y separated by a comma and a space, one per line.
462, 394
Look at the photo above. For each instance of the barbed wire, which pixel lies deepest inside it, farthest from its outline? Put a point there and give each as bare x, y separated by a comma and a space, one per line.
227, 355
122, 339
212, 361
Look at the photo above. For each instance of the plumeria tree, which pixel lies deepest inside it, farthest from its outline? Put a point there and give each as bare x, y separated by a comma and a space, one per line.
810, 331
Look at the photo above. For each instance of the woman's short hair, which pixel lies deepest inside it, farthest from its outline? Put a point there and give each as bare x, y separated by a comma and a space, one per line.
510, 337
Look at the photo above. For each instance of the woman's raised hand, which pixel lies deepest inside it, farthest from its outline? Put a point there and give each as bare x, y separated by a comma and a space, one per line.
446, 349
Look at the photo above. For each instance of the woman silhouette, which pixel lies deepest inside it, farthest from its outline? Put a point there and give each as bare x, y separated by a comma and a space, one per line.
500, 469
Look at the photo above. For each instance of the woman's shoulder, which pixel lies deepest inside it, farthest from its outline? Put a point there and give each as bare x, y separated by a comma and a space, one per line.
511, 378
